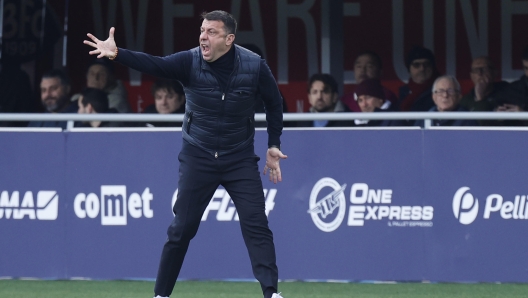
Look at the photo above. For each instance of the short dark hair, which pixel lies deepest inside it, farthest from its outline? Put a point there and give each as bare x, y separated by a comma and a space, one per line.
374, 56
327, 79
176, 86
59, 74
103, 62
525, 54
97, 98
230, 24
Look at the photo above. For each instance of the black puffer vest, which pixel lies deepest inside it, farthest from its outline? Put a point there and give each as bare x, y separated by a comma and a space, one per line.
220, 121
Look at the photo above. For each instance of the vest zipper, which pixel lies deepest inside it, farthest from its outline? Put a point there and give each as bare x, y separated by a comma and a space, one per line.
189, 118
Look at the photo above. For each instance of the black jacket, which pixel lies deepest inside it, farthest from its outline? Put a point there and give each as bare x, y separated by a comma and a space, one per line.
220, 106
221, 121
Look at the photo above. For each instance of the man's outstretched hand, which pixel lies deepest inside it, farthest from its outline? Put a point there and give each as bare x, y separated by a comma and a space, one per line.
105, 48
273, 156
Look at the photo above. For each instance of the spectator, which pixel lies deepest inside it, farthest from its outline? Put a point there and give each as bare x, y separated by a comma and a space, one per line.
514, 98
521, 86
54, 91
324, 98
95, 101
416, 95
16, 95
370, 98
368, 65
446, 96
101, 75
483, 96
169, 98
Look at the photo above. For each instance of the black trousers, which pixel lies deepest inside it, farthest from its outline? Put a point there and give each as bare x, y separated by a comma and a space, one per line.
199, 178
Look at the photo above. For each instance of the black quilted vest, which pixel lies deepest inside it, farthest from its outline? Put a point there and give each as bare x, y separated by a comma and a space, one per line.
220, 121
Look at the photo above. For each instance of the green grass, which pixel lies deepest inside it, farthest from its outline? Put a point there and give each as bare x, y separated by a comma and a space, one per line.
199, 289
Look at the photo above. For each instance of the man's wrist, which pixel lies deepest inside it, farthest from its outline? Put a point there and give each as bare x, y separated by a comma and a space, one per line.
115, 54
274, 146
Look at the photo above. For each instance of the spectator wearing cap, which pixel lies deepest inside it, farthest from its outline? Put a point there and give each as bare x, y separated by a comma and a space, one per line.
95, 101
101, 75
446, 96
169, 98
368, 65
416, 95
370, 98
324, 98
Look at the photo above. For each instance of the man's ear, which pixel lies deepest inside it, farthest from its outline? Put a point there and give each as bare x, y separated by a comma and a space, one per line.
230, 39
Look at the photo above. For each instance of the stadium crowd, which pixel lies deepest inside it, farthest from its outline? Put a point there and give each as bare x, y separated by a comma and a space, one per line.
427, 90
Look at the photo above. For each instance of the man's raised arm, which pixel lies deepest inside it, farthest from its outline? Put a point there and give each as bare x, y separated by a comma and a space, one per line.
173, 67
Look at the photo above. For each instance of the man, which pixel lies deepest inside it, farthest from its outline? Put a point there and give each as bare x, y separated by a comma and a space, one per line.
221, 82
446, 96
101, 75
514, 98
368, 65
416, 95
54, 90
370, 98
483, 96
169, 98
16, 94
95, 101
324, 98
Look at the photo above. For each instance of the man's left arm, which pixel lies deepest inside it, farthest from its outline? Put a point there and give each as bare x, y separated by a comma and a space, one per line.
272, 100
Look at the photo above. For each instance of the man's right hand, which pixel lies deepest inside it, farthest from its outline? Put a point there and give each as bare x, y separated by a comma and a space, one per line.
105, 48
482, 87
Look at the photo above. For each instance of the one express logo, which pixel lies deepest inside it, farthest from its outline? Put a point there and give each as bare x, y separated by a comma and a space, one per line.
321, 208
465, 206
328, 205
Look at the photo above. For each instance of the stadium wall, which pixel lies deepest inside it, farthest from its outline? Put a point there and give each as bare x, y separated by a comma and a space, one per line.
388, 205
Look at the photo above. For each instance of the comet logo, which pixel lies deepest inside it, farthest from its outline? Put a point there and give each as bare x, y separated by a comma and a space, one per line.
465, 206
327, 196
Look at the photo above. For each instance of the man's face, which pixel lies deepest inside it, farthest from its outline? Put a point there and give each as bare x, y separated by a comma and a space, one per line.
97, 77
53, 94
167, 102
421, 70
369, 103
321, 97
481, 71
365, 67
445, 96
214, 41
525, 67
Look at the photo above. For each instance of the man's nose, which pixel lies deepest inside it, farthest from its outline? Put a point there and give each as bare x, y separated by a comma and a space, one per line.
203, 35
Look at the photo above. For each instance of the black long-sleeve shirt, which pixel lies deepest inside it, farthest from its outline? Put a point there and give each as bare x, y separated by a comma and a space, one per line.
178, 66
